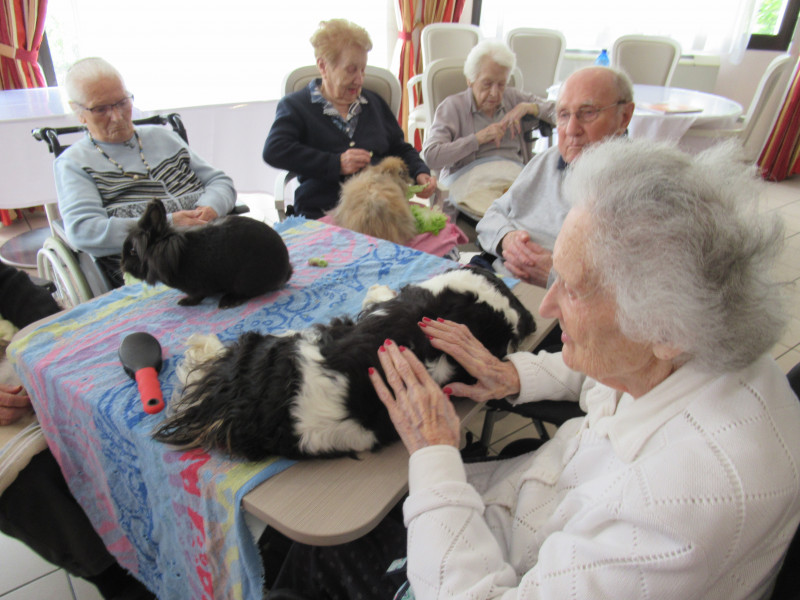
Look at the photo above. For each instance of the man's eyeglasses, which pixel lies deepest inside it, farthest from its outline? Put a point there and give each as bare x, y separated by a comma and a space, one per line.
105, 109
585, 114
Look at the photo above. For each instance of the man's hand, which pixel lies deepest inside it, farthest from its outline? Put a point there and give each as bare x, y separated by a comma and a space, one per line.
353, 160
14, 404
525, 259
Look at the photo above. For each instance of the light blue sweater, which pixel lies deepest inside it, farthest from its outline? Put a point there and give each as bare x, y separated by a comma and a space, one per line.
99, 204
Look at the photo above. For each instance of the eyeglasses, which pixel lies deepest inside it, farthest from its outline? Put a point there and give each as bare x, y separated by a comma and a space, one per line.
105, 109
585, 114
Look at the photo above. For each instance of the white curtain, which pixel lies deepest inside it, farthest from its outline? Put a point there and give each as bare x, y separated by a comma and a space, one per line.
718, 27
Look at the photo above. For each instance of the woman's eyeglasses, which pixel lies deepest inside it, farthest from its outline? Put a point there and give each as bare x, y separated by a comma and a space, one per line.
105, 109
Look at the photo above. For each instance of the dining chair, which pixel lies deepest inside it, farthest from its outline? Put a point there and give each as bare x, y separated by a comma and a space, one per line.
376, 79
763, 109
646, 59
539, 55
437, 41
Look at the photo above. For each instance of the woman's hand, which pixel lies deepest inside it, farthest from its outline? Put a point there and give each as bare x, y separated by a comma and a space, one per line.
207, 213
496, 378
420, 410
513, 118
492, 133
14, 404
429, 183
189, 218
353, 160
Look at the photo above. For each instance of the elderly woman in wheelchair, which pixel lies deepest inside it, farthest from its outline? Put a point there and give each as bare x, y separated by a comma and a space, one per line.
479, 138
105, 180
334, 128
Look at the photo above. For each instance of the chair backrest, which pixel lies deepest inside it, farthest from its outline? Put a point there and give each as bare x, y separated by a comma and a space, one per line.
539, 55
376, 79
442, 78
646, 59
773, 82
447, 40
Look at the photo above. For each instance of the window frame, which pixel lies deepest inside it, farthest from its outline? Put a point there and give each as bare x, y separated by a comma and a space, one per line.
783, 38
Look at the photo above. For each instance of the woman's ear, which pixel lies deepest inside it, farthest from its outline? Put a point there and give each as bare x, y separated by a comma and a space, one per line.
322, 66
666, 352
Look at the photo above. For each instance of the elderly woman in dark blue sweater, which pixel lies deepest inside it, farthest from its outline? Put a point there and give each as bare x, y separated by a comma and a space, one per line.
333, 128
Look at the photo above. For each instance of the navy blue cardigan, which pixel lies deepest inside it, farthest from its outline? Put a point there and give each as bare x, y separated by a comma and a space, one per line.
306, 141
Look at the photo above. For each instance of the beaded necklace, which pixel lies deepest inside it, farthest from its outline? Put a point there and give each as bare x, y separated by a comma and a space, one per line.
134, 176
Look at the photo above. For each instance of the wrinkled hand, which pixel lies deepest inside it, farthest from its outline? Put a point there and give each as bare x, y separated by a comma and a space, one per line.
420, 410
496, 378
353, 160
525, 259
492, 133
189, 218
513, 118
207, 213
14, 404
429, 183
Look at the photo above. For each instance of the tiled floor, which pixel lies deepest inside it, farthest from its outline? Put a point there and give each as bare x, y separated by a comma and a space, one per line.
25, 576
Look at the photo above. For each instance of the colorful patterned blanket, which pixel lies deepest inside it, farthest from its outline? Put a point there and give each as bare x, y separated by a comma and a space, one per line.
174, 518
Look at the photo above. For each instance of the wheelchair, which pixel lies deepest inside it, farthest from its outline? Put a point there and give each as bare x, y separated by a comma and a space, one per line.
76, 275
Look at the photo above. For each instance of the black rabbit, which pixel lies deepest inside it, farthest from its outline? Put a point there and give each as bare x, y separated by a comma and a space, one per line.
237, 257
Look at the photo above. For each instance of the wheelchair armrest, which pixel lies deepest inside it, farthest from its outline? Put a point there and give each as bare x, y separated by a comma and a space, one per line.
556, 412
281, 181
240, 209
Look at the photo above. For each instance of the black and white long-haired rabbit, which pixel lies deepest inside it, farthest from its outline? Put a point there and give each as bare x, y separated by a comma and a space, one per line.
237, 257
307, 393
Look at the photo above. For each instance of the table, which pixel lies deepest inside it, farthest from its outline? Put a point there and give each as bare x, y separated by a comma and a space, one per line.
715, 112
174, 518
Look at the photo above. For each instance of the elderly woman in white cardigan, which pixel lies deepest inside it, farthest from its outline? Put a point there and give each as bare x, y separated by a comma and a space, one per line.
484, 123
681, 481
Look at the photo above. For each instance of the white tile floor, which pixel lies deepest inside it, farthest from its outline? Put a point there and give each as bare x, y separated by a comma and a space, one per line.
25, 576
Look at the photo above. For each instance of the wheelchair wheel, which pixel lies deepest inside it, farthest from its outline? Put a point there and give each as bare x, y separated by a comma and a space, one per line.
57, 263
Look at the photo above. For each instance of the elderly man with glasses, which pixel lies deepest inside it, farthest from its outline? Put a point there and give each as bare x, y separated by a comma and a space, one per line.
105, 180
521, 226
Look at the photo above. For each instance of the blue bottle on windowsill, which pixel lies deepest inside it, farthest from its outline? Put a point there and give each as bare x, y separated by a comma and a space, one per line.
602, 59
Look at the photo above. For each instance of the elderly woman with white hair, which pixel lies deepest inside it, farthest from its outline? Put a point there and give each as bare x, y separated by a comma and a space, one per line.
485, 122
105, 180
681, 481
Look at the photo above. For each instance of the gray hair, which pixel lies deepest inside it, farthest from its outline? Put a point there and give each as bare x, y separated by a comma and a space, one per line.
88, 70
619, 80
679, 242
492, 50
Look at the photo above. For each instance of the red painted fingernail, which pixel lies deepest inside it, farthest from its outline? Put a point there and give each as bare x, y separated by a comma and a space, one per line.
371, 371
387, 342
430, 337
440, 319
381, 349
426, 319
447, 391
422, 324
402, 348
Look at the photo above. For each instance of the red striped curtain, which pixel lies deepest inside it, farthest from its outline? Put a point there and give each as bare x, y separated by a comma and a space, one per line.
21, 30
433, 11
781, 155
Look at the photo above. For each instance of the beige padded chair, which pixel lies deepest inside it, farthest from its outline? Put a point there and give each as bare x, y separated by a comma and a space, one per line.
539, 55
763, 109
376, 79
437, 41
646, 59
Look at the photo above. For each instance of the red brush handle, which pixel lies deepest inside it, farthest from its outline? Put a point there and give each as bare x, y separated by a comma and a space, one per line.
150, 390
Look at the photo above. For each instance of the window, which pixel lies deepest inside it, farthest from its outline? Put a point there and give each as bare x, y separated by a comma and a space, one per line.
701, 27
182, 52
774, 24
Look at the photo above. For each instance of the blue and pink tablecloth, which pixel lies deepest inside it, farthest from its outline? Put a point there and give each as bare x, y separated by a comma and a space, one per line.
172, 517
